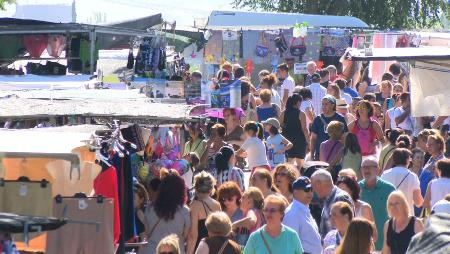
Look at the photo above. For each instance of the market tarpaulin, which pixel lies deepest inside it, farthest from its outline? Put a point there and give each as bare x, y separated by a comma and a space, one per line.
430, 88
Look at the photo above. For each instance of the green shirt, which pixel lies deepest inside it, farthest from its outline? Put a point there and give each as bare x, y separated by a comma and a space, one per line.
377, 198
287, 242
198, 147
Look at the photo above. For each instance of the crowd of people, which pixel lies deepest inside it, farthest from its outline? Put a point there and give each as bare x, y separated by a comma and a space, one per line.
334, 166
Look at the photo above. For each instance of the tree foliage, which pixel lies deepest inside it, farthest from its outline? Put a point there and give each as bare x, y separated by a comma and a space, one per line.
381, 14
4, 2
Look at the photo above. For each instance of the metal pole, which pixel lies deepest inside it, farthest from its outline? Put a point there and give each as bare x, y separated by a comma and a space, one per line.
92, 39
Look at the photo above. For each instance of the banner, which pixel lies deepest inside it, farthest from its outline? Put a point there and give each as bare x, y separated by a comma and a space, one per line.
228, 95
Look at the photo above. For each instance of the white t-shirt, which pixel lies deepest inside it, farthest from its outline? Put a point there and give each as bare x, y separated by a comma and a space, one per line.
276, 99
439, 189
407, 124
256, 152
318, 92
390, 113
304, 106
410, 182
288, 84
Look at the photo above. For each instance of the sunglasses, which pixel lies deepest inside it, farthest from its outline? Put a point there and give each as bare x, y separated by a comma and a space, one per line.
272, 210
167, 252
308, 189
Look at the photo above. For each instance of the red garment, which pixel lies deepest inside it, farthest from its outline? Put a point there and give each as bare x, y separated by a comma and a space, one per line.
35, 44
105, 184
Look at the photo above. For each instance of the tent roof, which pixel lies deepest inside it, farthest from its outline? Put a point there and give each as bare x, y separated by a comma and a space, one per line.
135, 110
386, 54
220, 20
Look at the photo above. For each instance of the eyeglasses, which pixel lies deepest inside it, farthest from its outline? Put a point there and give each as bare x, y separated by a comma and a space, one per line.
370, 166
271, 210
166, 252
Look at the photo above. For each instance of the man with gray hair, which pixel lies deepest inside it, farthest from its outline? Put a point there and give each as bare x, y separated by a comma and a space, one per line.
328, 194
375, 191
311, 67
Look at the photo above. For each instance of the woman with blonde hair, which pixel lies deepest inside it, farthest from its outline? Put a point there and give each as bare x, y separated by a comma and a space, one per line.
284, 175
169, 245
358, 239
401, 227
252, 202
201, 206
274, 237
219, 227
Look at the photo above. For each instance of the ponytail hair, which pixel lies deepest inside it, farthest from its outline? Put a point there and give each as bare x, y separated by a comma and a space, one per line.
223, 157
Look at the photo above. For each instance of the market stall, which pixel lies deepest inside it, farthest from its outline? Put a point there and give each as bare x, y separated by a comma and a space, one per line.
81, 159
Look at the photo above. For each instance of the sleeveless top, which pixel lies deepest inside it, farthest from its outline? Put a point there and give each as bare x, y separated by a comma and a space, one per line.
365, 138
215, 243
398, 242
266, 113
201, 228
292, 126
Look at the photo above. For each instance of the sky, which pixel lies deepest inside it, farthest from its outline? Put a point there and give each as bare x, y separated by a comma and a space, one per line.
109, 11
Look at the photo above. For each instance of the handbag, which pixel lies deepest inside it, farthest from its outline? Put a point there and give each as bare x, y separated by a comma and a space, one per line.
297, 49
280, 43
262, 47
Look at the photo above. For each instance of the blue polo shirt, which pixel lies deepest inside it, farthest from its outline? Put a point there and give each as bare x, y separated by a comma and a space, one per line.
377, 198
353, 93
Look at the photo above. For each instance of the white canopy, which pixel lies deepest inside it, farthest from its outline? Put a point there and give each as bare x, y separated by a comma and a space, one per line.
222, 20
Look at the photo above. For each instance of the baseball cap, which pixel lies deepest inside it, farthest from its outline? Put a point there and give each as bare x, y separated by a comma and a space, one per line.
315, 76
302, 183
272, 121
330, 98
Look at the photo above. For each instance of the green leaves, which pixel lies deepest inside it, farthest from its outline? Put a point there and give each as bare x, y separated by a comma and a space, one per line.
4, 2
381, 14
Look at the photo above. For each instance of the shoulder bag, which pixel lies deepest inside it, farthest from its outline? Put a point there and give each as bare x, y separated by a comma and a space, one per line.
262, 47
265, 241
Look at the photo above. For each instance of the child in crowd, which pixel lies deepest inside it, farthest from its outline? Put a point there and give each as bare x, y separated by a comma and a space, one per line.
253, 147
277, 144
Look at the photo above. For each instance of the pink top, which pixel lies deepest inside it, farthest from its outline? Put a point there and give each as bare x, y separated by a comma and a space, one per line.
366, 138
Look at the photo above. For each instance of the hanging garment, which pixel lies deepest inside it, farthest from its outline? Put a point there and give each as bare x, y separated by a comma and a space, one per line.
106, 185
67, 182
26, 198
126, 196
74, 65
12, 46
35, 44
77, 238
56, 44
134, 135
130, 62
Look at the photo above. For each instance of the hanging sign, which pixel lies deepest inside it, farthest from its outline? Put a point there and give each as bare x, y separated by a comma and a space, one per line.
228, 95
300, 68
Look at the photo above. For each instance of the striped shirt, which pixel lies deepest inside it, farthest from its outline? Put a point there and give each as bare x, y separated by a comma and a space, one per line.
318, 92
